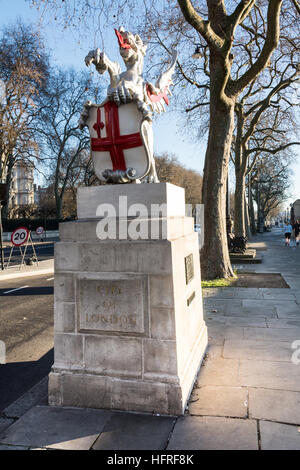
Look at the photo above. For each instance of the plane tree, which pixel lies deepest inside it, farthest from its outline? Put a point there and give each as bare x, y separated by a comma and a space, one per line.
220, 25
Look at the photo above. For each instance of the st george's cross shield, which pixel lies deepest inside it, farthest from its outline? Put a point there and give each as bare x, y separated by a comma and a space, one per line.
120, 142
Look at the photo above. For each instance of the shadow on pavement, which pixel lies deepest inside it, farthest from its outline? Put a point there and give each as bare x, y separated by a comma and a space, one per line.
16, 378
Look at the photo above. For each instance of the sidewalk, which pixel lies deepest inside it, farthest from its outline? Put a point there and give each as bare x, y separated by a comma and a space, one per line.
247, 395
43, 267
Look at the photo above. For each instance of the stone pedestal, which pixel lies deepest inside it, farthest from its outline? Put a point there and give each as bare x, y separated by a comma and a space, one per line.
129, 329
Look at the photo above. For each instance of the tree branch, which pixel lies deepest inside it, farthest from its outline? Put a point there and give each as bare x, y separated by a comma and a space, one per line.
273, 151
196, 106
297, 6
199, 24
270, 44
240, 13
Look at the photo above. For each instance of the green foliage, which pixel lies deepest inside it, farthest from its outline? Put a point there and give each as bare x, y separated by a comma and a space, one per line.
222, 282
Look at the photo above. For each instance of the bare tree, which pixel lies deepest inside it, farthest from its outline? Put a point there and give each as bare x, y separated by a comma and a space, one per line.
264, 112
271, 184
170, 170
23, 75
221, 27
59, 137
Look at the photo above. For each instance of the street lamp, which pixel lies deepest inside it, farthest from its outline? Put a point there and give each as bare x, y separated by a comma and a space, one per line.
197, 54
292, 213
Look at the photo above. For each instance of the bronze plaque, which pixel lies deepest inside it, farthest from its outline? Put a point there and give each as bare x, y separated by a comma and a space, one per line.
189, 268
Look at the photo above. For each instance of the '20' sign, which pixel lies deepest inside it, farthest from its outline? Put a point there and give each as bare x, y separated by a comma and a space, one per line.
19, 236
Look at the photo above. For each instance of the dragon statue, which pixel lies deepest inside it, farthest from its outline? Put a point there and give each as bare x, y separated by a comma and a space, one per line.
121, 127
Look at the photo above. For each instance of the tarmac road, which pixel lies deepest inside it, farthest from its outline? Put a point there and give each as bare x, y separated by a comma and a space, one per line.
43, 251
26, 327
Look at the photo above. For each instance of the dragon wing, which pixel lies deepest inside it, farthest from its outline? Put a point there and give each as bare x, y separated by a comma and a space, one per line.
158, 94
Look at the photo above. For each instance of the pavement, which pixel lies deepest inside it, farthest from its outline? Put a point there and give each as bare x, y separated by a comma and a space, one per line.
246, 397
26, 329
37, 269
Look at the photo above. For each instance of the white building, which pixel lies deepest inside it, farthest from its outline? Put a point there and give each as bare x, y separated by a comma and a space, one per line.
22, 187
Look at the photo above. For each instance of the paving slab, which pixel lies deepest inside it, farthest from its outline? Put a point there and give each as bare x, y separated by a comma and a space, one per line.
247, 294
57, 428
284, 323
259, 322
261, 312
219, 292
214, 351
4, 447
274, 405
279, 295
289, 309
263, 308
272, 334
257, 350
213, 433
219, 371
220, 332
5, 423
222, 305
219, 401
277, 436
236, 293
274, 375
258, 304
128, 431
275, 290
235, 321
31, 398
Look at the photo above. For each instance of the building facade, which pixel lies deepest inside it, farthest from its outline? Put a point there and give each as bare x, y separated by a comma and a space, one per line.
22, 187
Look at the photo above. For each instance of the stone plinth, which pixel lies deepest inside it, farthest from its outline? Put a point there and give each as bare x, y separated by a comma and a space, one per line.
129, 329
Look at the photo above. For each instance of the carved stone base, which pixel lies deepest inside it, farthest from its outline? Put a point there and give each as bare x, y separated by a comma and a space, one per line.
129, 329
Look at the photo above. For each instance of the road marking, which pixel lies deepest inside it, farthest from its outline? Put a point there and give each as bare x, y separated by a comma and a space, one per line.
14, 290
50, 279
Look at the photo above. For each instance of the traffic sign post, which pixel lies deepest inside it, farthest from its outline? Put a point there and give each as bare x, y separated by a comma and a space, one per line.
40, 232
2, 203
19, 237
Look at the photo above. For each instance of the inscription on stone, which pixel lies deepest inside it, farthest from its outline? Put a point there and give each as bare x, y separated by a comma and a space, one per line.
111, 305
189, 268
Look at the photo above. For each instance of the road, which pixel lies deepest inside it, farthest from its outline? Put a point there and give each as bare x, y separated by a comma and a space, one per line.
26, 327
43, 251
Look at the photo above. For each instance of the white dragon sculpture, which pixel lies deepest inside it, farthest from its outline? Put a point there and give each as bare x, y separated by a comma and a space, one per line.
130, 86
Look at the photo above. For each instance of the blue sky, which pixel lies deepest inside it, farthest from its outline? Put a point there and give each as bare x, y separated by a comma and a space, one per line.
68, 50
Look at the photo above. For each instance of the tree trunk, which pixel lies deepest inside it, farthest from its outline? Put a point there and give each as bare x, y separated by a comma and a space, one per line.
239, 204
251, 208
10, 165
247, 218
58, 203
215, 262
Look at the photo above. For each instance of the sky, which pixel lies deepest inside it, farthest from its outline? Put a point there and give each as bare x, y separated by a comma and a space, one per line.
69, 50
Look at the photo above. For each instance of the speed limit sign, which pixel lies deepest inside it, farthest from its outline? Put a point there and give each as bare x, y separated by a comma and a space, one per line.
19, 236
39, 230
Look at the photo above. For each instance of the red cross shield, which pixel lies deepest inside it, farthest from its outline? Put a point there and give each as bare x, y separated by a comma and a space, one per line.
116, 140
